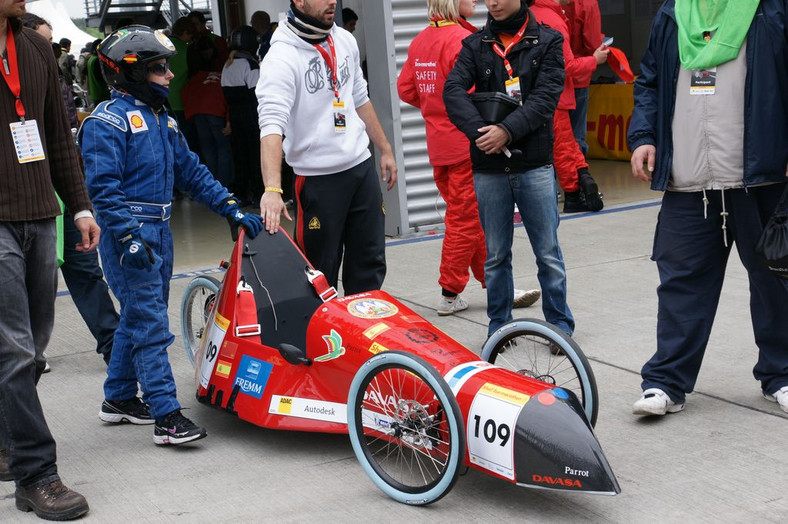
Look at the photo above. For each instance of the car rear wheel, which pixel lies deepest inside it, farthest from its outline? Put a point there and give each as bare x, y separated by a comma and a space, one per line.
406, 427
196, 306
540, 350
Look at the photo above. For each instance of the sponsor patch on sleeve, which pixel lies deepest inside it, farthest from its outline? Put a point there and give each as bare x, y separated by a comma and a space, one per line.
136, 121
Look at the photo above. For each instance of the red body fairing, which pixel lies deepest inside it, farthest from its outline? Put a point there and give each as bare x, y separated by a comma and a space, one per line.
277, 355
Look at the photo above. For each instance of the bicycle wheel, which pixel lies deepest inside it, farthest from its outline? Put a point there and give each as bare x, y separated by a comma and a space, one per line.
406, 427
540, 350
196, 306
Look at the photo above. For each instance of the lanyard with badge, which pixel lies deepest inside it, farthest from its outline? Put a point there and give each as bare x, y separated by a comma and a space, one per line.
704, 81
513, 84
340, 116
25, 135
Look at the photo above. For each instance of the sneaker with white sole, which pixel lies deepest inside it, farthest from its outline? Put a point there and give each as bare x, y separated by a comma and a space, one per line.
176, 429
780, 396
133, 410
523, 298
449, 306
654, 401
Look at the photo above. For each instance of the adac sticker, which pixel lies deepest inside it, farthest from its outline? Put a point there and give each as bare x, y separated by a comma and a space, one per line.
335, 349
136, 121
252, 376
372, 308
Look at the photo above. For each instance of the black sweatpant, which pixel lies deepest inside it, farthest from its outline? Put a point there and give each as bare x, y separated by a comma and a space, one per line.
343, 213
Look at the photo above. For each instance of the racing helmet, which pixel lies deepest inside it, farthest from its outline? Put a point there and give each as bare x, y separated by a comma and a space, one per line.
244, 39
124, 56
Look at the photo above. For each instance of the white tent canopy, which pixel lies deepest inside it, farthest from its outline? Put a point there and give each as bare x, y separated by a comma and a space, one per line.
62, 26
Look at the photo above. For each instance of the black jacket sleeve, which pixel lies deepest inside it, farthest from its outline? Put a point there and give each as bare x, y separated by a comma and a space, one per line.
462, 113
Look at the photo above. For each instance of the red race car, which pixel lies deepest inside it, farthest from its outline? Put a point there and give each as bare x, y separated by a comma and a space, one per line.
274, 345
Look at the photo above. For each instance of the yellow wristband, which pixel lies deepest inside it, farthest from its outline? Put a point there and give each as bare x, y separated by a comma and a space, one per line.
274, 190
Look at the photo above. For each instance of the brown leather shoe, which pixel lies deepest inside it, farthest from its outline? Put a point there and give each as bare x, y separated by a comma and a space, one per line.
52, 501
5, 473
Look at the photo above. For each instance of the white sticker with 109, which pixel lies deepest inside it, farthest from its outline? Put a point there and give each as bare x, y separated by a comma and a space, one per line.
212, 344
492, 420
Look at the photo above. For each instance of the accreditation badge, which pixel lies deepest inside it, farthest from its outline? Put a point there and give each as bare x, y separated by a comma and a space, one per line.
340, 117
703, 81
27, 141
513, 89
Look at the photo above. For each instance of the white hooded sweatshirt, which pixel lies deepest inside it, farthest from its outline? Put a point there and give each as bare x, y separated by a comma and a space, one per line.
295, 98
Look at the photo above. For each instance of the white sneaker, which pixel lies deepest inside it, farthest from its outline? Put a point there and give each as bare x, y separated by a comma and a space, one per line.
780, 396
450, 306
47, 368
654, 401
524, 298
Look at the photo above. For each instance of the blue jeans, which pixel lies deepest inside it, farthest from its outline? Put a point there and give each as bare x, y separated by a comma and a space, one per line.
579, 118
89, 291
534, 193
215, 147
28, 283
139, 353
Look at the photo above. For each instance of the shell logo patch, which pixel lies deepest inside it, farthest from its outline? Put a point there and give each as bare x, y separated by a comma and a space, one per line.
376, 348
372, 308
314, 223
136, 121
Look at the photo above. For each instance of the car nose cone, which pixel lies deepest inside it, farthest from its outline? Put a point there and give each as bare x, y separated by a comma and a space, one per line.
556, 448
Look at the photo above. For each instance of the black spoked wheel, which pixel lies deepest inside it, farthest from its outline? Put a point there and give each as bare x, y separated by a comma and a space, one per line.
196, 306
540, 350
406, 427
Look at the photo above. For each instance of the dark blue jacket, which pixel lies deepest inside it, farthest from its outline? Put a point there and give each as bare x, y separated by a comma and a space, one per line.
765, 104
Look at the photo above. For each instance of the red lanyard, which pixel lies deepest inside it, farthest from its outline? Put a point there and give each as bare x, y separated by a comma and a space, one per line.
503, 52
11, 73
332, 63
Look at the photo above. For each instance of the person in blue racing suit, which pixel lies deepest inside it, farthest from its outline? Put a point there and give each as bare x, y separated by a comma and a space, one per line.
134, 154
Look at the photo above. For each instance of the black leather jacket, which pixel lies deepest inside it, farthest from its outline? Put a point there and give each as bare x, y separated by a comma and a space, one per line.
539, 62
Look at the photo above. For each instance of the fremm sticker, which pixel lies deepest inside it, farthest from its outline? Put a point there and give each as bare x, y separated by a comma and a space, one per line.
252, 376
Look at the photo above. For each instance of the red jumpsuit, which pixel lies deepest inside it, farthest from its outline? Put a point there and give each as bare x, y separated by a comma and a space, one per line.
431, 56
567, 156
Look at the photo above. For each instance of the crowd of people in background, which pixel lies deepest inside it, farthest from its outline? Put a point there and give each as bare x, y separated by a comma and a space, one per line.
211, 95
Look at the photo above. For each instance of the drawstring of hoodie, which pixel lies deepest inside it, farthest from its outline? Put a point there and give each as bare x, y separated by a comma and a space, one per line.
724, 214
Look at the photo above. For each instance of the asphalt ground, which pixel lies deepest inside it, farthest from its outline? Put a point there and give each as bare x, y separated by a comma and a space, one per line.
723, 459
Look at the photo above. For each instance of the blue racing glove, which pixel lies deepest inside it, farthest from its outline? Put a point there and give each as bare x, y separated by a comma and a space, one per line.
136, 252
251, 221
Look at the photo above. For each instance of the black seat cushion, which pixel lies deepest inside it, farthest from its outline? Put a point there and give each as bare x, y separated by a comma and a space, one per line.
274, 267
